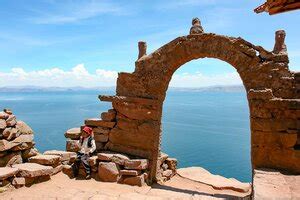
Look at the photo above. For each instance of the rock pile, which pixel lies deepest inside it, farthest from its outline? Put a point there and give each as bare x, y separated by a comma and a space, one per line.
20, 162
37, 169
167, 168
16, 140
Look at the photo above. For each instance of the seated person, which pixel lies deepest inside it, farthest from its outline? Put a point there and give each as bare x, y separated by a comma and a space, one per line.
87, 148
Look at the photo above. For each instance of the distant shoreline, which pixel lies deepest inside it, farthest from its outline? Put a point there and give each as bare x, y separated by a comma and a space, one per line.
216, 88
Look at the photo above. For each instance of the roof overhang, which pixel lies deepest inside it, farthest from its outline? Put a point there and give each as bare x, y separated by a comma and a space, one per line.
278, 6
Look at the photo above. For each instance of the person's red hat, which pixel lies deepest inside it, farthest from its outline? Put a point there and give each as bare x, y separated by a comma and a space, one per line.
88, 130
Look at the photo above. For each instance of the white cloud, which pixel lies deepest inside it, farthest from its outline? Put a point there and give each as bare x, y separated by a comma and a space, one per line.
56, 77
80, 76
200, 80
70, 12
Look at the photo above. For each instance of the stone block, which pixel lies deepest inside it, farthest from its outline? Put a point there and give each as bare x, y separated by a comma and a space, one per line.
109, 116
131, 138
18, 182
10, 159
67, 169
7, 145
127, 124
3, 115
34, 180
73, 133
8, 111
126, 172
135, 180
101, 138
11, 121
94, 122
33, 170
57, 169
108, 172
23, 146
172, 164
2, 124
119, 159
24, 128
162, 158
128, 150
265, 94
272, 124
139, 164
7, 172
101, 130
105, 156
65, 155
29, 153
139, 112
11, 133
273, 139
49, 160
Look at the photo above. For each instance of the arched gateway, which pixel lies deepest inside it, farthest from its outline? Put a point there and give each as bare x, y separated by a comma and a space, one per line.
272, 91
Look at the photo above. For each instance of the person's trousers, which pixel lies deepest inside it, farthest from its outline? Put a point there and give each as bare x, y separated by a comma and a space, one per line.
81, 158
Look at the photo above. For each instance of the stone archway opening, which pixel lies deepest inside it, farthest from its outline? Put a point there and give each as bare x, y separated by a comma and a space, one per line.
205, 120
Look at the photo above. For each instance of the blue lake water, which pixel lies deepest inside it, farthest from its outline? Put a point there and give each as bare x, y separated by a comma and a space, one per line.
207, 129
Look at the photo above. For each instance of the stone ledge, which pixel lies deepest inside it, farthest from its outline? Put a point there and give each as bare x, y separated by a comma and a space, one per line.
137, 100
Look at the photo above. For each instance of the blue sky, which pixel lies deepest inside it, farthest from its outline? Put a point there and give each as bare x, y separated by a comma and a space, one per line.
85, 43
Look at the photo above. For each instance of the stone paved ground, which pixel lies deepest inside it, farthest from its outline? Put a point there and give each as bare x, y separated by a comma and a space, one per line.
61, 187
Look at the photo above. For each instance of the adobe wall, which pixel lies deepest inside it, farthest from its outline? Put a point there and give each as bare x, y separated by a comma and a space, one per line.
272, 90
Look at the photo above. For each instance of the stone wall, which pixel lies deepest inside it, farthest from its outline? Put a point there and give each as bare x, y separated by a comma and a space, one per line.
272, 91
20, 162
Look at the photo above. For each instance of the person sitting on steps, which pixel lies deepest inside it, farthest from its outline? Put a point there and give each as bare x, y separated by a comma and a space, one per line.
87, 147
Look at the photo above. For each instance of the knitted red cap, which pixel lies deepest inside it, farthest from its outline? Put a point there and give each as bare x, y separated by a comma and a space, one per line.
88, 130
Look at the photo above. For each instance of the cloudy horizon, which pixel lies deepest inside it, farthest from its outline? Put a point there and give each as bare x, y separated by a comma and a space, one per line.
79, 76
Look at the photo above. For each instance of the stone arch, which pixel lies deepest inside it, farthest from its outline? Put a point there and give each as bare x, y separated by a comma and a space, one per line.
272, 92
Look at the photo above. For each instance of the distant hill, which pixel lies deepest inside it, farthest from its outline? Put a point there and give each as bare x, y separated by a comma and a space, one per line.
231, 88
51, 89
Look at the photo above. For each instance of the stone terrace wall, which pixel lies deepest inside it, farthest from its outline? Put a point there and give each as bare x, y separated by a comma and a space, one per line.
273, 96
